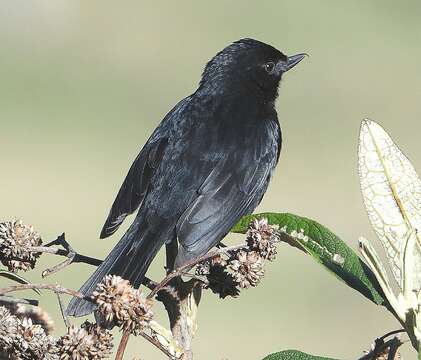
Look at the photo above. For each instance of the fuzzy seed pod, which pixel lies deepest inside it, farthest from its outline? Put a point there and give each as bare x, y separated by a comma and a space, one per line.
247, 268
16, 241
87, 342
34, 342
22, 340
9, 325
121, 305
37, 315
262, 237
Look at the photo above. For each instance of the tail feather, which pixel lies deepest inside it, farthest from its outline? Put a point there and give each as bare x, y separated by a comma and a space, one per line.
129, 259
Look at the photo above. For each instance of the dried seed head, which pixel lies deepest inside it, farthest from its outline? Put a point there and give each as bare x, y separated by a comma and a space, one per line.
140, 313
247, 268
222, 282
34, 342
16, 241
112, 296
204, 268
87, 342
30, 342
121, 305
37, 315
8, 329
104, 338
262, 237
21, 339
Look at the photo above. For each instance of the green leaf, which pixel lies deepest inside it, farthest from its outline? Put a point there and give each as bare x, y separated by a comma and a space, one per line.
326, 248
15, 277
294, 355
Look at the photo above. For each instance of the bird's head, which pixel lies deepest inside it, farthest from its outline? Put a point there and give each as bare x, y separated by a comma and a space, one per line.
248, 65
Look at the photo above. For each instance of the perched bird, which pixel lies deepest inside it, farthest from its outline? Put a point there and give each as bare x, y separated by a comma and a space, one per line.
205, 166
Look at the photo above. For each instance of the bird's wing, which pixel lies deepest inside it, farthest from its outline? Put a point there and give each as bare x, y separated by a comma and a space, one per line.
231, 190
136, 184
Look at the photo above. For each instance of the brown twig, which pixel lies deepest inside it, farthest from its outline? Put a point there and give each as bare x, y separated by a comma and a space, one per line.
57, 267
63, 313
122, 347
181, 270
73, 257
157, 344
56, 288
67, 251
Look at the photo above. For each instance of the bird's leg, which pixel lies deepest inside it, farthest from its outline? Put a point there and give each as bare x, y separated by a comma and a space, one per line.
171, 254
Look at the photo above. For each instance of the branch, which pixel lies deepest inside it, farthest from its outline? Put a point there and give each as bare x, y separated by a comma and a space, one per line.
122, 347
67, 251
157, 344
73, 257
380, 346
164, 340
58, 289
181, 270
63, 312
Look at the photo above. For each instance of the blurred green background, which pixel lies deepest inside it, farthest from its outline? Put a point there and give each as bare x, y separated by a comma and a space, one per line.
83, 84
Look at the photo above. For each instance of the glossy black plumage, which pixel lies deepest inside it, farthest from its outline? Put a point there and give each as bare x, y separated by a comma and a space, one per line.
206, 165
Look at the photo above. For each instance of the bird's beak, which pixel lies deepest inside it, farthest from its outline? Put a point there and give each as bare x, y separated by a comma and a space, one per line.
294, 60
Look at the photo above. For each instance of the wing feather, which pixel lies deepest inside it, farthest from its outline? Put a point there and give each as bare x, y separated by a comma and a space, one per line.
224, 198
135, 186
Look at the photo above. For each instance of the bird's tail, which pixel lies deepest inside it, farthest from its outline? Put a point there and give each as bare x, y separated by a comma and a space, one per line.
129, 259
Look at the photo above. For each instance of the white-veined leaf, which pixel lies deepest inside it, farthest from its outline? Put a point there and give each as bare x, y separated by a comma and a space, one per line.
391, 190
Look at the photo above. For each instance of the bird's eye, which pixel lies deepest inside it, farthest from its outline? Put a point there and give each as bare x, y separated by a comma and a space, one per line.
269, 66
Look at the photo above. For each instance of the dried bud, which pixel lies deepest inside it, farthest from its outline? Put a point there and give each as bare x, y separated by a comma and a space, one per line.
16, 241
247, 268
87, 342
121, 305
262, 237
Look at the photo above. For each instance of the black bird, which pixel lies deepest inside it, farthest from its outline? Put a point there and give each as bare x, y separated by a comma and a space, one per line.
205, 166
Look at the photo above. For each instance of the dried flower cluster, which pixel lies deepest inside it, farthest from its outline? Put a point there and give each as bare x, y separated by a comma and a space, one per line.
119, 304
89, 341
247, 268
37, 315
21, 339
242, 268
25, 331
16, 241
262, 238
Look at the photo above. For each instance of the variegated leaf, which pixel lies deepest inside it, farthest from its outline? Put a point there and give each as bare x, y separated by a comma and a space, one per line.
391, 190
